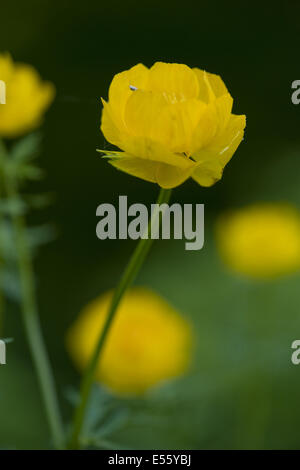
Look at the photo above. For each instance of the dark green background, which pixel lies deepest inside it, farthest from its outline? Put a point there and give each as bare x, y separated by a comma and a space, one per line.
243, 390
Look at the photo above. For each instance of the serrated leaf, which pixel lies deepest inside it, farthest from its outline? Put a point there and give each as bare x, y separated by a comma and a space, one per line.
12, 206
114, 421
27, 148
10, 284
40, 235
98, 443
105, 414
23, 171
29, 172
39, 201
72, 395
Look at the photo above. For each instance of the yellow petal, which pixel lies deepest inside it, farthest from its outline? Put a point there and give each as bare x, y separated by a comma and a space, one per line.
223, 107
212, 159
27, 98
211, 86
212, 123
167, 176
205, 130
148, 114
207, 174
144, 169
216, 83
141, 113
176, 123
176, 80
112, 132
120, 90
148, 149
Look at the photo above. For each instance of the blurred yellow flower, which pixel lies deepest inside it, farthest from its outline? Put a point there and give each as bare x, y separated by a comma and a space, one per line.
261, 241
172, 122
27, 98
148, 342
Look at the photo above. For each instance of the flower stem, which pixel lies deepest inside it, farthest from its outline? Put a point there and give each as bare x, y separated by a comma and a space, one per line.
32, 323
2, 302
131, 271
2, 261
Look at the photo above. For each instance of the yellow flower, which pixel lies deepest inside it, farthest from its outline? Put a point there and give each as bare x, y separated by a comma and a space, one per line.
149, 341
261, 241
27, 98
171, 122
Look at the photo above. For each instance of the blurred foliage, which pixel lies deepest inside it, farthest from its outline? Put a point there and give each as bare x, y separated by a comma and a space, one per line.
243, 390
17, 162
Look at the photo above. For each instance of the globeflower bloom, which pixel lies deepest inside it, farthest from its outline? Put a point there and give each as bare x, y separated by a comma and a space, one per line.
261, 241
148, 342
27, 98
172, 122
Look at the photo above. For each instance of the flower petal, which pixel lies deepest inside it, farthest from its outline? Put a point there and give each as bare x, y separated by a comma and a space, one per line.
144, 169
148, 114
167, 176
211, 86
27, 98
109, 126
176, 80
147, 149
223, 107
212, 123
206, 128
212, 159
141, 113
120, 90
176, 124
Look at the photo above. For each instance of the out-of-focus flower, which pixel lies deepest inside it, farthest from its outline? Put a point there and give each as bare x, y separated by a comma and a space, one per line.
261, 241
27, 98
148, 342
172, 122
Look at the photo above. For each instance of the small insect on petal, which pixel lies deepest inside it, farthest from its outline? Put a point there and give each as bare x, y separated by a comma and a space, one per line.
133, 88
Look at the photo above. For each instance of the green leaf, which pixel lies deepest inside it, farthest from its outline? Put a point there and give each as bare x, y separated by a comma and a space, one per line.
27, 148
10, 284
40, 235
105, 414
12, 206
29, 172
39, 201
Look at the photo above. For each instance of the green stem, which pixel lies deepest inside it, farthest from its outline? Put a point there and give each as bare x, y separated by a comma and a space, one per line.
131, 271
2, 302
31, 321
2, 306
2, 261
